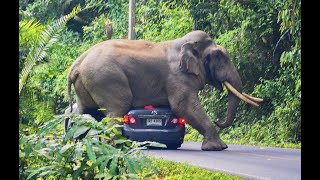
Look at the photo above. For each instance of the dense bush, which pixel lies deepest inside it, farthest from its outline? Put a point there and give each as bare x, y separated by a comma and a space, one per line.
48, 154
157, 21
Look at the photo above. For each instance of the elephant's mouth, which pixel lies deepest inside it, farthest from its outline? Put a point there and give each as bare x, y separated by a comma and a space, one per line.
243, 96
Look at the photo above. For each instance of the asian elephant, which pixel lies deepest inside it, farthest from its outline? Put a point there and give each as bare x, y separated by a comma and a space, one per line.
121, 74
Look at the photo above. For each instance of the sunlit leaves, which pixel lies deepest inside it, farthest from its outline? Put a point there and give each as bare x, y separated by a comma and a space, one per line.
47, 38
64, 157
160, 21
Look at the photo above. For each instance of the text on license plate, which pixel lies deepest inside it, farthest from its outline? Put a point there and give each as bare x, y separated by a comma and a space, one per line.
154, 122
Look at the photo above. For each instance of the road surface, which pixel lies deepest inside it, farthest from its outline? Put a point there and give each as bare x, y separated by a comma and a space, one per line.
250, 162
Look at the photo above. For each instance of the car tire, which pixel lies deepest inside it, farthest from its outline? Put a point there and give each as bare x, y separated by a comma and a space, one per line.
173, 146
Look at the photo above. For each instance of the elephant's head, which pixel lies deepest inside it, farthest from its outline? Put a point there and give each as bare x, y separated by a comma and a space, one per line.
199, 55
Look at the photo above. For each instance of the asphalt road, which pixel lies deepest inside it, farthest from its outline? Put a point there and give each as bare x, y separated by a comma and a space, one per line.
250, 162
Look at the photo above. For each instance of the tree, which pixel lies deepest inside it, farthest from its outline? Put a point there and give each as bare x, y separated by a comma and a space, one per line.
41, 45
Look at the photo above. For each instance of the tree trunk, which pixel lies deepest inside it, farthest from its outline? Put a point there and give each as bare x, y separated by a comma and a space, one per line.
132, 20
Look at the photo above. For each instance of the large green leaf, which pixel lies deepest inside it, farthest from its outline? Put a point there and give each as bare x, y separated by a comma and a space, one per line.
91, 153
78, 150
113, 168
65, 148
130, 165
100, 161
104, 164
76, 174
80, 130
38, 170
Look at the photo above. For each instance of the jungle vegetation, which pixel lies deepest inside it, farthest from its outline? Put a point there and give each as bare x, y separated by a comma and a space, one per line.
262, 37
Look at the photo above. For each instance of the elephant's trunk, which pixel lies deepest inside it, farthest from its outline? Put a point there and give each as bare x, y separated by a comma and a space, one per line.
233, 101
234, 97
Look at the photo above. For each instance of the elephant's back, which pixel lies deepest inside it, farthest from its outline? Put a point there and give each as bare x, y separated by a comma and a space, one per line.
132, 48
128, 55
142, 65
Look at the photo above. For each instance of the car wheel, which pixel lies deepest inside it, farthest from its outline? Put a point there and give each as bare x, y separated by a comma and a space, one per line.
173, 146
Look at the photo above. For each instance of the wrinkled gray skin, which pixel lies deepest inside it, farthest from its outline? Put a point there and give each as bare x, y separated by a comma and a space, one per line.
123, 74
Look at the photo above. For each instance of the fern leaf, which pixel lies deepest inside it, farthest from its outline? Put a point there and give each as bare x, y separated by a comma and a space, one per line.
47, 38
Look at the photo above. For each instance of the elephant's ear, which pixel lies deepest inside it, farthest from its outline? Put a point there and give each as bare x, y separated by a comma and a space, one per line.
189, 60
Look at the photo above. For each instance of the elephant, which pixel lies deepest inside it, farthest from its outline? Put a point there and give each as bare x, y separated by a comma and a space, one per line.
120, 74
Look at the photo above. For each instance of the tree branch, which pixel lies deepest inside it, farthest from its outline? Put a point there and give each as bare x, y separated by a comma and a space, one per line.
279, 42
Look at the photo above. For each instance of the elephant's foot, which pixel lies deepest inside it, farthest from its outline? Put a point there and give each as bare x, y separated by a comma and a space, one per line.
213, 145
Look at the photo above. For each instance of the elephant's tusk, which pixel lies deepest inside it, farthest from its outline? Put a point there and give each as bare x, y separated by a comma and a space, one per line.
252, 98
242, 97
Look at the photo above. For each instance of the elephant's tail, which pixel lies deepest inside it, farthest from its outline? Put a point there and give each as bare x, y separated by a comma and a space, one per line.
69, 88
72, 76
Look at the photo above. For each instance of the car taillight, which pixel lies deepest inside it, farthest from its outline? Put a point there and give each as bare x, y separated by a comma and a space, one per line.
126, 119
129, 119
181, 121
149, 107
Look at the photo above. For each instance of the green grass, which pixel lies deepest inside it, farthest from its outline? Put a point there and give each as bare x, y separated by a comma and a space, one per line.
167, 170
282, 145
240, 138
245, 142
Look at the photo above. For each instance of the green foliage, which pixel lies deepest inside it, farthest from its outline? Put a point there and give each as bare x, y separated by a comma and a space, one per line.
45, 92
118, 13
47, 154
114, 10
95, 31
38, 50
180, 171
160, 20
29, 33
38, 9
192, 134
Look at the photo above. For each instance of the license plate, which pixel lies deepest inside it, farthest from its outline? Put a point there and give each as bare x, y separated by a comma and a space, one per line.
154, 122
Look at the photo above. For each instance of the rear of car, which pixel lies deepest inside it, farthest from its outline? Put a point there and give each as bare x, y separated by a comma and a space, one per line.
158, 124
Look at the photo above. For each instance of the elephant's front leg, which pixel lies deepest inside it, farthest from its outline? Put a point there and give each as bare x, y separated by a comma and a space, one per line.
188, 106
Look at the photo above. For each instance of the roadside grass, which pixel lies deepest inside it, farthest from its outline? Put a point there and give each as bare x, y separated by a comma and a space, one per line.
193, 135
199, 138
269, 144
169, 170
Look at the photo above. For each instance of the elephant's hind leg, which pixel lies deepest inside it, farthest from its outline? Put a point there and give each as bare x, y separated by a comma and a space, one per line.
84, 99
115, 99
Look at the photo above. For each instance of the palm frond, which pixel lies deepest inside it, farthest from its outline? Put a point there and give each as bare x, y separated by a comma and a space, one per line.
28, 24
47, 38
29, 32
